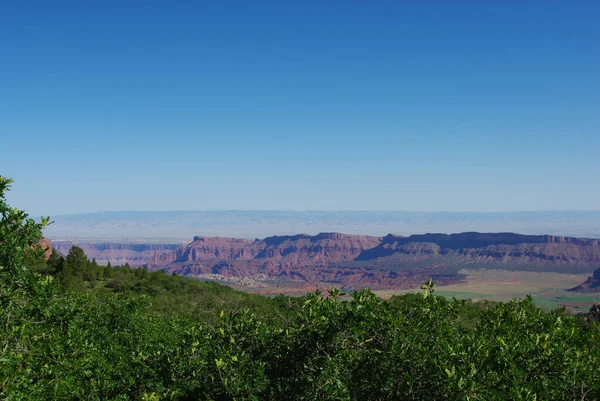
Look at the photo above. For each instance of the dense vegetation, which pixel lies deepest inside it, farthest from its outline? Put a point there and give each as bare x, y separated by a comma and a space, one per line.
70, 329
167, 295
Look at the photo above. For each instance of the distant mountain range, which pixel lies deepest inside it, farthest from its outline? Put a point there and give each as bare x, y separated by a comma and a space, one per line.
303, 262
179, 225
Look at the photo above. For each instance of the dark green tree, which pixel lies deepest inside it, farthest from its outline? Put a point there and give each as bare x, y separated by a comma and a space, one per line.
18, 234
108, 271
77, 260
55, 263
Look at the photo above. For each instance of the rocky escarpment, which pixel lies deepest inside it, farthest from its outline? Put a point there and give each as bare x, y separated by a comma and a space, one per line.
206, 249
352, 261
592, 284
395, 261
289, 250
496, 248
320, 249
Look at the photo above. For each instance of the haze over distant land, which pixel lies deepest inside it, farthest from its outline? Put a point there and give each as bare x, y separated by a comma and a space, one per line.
182, 225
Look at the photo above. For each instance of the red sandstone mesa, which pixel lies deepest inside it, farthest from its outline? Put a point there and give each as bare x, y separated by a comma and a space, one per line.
352, 262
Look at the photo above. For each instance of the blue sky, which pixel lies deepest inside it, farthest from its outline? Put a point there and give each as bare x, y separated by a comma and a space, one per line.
385, 105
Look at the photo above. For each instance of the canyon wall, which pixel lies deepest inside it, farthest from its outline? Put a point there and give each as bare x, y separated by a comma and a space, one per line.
353, 261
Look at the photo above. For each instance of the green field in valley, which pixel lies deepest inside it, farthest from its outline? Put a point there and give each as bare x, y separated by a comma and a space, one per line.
547, 289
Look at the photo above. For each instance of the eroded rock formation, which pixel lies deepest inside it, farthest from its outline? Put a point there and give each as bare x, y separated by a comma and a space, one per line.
592, 284
351, 261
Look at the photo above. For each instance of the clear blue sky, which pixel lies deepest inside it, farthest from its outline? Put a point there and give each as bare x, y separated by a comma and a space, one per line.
165, 105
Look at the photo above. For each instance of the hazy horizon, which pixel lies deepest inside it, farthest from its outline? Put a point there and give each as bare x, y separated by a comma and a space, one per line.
183, 225
334, 211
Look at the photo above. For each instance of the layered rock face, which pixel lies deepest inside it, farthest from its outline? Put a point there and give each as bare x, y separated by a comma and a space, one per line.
205, 249
352, 262
292, 250
500, 248
320, 249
